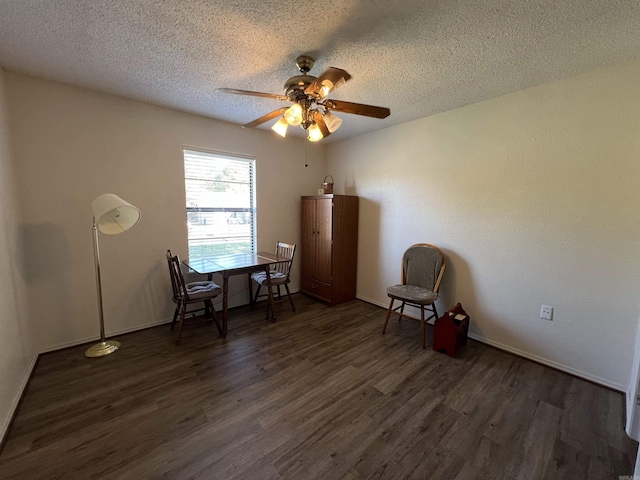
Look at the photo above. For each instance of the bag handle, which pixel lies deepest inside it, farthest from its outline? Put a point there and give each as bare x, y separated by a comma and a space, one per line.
325, 179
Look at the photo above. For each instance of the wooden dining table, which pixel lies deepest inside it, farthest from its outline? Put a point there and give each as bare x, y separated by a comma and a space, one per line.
236, 264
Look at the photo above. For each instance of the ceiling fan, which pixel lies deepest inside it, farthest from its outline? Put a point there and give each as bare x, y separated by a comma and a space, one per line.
310, 109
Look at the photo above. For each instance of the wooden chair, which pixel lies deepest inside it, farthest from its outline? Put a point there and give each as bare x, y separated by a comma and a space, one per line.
423, 266
279, 276
185, 294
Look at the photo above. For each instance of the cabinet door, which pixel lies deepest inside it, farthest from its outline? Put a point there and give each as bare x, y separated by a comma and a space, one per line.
308, 236
324, 238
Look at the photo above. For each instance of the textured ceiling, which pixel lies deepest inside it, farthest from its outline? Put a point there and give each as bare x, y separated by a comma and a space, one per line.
417, 57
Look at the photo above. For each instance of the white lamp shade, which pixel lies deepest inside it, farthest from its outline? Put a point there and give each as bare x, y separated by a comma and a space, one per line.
113, 215
314, 133
332, 121
293, 115
280, 127
326, 87
332, 79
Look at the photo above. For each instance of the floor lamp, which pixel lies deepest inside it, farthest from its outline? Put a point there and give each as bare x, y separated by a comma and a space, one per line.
111, 215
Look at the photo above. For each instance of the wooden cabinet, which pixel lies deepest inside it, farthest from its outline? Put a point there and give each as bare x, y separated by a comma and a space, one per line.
329, 247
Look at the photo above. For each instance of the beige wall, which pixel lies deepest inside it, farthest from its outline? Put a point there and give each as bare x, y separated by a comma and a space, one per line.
72, 145
17, 350
534, 198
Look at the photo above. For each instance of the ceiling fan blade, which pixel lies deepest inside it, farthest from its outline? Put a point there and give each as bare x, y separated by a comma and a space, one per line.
266, 118
253, 94
326, 83
317, 116
358, 108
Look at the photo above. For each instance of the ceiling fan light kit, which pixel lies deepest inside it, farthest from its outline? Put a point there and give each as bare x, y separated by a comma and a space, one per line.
310, 109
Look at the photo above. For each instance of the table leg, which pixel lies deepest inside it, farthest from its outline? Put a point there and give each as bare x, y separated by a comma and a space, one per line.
207, 311
251, 291
272, 307
225, 303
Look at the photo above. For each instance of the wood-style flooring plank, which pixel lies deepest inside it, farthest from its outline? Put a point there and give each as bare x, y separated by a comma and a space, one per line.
320, 394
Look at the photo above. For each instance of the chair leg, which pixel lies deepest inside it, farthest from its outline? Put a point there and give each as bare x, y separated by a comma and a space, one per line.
175, 316
401, 312
255, 298
182, 312
286, 286
279, 294
208, 310
269, 306
386, 320
215, 318
423, 325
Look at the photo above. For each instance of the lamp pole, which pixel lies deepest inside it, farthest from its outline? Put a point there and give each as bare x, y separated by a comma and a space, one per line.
104, 347
96, 257
111, 215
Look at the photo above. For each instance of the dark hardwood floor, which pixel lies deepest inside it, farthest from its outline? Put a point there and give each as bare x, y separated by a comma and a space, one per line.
319, 394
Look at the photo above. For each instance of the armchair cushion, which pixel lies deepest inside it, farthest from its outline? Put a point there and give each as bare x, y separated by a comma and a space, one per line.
412, 293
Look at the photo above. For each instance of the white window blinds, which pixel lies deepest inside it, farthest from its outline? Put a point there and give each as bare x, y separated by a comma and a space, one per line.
220, 201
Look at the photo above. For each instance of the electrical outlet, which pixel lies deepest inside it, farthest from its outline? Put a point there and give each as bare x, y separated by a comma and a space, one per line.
546, 312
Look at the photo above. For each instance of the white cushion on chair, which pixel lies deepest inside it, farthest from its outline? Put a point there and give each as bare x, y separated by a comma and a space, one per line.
277, 278
197, 290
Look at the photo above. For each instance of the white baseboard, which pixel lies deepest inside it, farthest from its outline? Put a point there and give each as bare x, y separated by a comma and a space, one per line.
374, 302
96, 338
550, 363
16, 401
530, 356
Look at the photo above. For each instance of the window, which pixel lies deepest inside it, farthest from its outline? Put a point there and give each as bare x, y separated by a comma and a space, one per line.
220, 199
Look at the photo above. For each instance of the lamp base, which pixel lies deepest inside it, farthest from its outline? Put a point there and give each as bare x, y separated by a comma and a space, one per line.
101, 349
